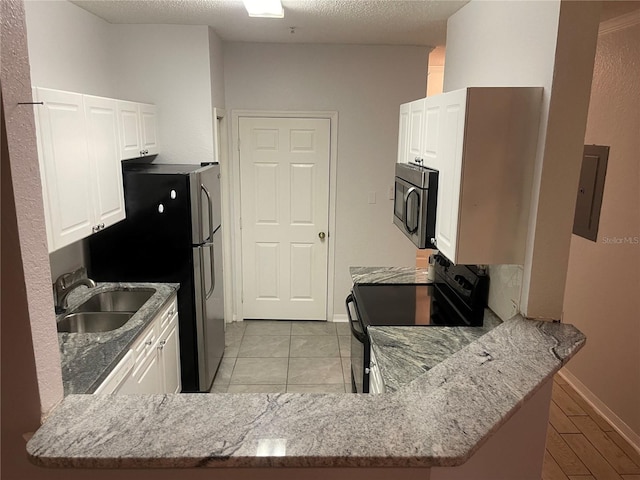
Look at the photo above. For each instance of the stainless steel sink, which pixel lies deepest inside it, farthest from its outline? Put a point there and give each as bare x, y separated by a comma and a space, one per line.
117, 301
92, 322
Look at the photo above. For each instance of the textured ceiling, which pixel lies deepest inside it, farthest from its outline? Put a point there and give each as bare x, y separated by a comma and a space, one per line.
386, 22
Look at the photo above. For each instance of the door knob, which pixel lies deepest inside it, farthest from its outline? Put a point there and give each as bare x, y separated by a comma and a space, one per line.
321, 235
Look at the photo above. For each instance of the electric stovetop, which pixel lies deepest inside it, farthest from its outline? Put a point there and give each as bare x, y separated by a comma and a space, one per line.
457, 297
394, 305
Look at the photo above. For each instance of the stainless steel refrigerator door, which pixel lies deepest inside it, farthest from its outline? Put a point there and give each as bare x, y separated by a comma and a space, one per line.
205, 203
209, 308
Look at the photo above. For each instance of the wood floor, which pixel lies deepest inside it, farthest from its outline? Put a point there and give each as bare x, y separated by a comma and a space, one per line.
581, 445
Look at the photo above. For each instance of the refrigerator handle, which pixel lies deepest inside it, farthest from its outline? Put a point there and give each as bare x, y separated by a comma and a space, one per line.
212, 267
210, 205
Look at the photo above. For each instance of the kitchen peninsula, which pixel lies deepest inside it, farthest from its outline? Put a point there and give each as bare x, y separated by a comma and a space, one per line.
440, 419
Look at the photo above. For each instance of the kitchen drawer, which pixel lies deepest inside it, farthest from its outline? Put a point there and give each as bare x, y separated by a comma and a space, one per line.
168, 313
146, 343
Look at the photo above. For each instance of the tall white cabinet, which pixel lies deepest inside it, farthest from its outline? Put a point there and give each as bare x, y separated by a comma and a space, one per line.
482, 141
81, 139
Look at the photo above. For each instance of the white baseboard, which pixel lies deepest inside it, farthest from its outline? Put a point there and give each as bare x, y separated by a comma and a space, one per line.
599, 406
340, 317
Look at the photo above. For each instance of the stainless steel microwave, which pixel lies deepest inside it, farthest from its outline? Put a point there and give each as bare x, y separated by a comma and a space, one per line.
414, 211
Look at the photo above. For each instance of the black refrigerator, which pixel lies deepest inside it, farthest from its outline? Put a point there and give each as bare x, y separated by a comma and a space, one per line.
172, 234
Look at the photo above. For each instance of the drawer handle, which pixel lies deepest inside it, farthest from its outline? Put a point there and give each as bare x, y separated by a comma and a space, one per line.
149, 343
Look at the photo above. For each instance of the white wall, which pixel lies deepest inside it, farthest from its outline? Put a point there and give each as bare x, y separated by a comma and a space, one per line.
68, 48
549, 44
216, 66
366, 85
169, 65
603, 279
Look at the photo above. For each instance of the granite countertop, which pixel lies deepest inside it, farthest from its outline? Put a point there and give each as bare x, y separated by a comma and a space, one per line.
405, 353
88, 358
396, 275
440, 418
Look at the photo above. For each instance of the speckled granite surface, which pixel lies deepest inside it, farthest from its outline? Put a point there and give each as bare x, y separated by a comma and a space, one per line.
438, 419
389, 275
87, 358
405, 353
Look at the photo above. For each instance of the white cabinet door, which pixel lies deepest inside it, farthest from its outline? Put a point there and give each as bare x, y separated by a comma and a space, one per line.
147, 378
416, 119
67, 176
118, 376
403, 132
104, 152
138, 129
148, 129
450, 140
130, 143
430, 151
169, 347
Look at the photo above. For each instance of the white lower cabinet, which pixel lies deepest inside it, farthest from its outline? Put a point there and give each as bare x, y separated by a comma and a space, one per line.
170, 357
152, 364
376, 384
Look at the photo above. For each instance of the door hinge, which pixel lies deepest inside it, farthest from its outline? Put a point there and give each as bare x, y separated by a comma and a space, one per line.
240, 223
238, 144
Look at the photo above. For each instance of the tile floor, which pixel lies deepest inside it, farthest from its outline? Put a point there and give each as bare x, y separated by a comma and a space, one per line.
263, 356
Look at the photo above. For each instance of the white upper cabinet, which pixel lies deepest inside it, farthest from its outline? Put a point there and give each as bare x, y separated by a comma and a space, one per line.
486, 153
81, 141
410, 132
416, 119
403, 132
138, 130
482, 141
66, 170
104, 155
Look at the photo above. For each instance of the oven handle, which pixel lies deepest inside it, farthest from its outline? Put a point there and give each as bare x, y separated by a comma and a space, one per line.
360, 336
406, 206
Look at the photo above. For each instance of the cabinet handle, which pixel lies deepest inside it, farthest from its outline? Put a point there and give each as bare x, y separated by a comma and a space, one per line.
95, 228
162, 344
149, 343
101, 226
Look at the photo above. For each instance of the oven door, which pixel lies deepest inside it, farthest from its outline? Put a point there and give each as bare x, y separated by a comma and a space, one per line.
408, 211
359, 349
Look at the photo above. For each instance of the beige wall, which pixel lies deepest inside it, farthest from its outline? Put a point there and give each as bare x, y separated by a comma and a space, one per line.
603, 280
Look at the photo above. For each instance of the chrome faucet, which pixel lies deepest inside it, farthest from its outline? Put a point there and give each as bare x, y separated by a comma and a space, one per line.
62, 301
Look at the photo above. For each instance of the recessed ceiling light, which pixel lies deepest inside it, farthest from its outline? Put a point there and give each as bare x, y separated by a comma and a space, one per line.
264, 8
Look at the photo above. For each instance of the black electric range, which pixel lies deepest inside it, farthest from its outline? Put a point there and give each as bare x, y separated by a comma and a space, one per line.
457, 297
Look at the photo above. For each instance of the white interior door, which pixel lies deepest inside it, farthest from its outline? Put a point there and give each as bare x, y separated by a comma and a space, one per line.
284, 176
